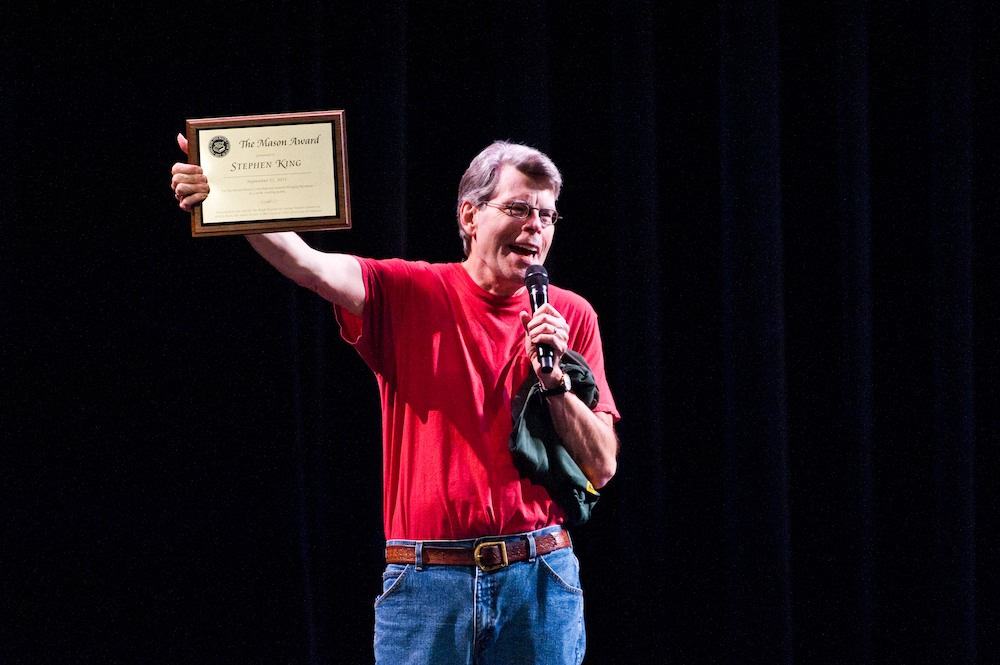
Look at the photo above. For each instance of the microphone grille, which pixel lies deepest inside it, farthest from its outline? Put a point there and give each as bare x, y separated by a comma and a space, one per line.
536, 275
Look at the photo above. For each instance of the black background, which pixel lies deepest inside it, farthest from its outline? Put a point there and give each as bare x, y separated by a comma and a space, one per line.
191, 465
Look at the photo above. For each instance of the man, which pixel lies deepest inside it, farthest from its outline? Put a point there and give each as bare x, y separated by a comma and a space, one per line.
479, 568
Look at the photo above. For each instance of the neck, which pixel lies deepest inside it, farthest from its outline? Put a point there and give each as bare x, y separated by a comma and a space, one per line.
484, 278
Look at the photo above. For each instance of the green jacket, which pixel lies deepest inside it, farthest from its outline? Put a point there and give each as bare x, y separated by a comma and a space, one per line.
538, 452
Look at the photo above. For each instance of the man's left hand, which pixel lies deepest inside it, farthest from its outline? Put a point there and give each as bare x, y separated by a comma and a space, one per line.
546, 326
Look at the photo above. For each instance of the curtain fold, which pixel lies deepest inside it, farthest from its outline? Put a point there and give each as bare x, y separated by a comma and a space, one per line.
954, 362
758, 572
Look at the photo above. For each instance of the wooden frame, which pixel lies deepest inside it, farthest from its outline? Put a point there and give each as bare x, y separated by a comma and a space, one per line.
267, 173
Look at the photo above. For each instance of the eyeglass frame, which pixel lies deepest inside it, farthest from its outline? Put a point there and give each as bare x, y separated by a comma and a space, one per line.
506, 208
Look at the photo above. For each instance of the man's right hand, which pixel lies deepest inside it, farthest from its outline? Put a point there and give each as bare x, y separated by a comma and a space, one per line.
188, 181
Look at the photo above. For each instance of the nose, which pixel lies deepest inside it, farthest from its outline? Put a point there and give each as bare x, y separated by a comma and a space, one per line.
533, 222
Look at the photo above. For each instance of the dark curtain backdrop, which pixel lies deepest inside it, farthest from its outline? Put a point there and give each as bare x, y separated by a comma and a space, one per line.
783, 212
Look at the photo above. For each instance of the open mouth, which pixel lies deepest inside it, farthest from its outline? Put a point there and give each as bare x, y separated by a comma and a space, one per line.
526, 251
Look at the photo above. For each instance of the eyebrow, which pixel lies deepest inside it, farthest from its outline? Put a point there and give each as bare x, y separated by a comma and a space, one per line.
513, 201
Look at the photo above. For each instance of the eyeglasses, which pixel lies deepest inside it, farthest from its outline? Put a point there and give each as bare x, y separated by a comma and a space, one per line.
521, 210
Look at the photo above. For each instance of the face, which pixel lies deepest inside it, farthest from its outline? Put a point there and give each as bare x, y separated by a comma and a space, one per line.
503, 246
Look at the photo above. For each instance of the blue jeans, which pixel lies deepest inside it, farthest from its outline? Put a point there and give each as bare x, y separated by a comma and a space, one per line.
529, 612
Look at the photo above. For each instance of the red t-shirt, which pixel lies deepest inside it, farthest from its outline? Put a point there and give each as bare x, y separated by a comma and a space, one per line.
448, 357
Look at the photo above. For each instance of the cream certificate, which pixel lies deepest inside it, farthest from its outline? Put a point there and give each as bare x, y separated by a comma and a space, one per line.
269, 172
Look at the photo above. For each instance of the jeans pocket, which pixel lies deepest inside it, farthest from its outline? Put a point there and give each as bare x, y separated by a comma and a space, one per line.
392, 580
564, 568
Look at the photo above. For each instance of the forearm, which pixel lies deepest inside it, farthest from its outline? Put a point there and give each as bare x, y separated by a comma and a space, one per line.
287, 252
588, 436
335, 277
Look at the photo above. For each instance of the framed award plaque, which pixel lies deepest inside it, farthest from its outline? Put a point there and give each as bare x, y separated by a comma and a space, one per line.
267, 173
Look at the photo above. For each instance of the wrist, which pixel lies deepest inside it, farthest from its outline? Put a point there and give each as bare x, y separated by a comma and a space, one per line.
551, 380
555, 385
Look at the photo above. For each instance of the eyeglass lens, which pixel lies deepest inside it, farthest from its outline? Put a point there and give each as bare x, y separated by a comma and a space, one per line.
523, 210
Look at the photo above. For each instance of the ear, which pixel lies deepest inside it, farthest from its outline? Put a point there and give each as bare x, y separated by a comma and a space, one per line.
467, 218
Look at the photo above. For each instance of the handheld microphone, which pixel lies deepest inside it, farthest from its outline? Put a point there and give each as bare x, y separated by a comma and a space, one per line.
536, 279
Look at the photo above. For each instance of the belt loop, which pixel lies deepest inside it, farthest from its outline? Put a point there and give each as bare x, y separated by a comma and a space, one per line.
532, 550
418, 555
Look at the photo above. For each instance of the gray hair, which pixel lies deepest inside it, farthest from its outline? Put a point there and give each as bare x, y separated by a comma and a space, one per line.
479, 184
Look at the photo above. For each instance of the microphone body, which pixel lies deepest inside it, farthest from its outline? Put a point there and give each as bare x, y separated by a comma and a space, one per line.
536, 279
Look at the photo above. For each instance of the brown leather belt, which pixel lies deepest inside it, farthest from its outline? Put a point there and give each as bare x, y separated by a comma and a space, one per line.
487, 555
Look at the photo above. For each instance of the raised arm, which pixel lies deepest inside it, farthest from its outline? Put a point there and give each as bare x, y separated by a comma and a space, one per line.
336, 277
